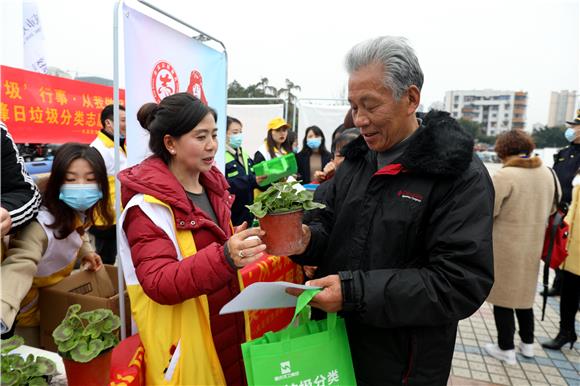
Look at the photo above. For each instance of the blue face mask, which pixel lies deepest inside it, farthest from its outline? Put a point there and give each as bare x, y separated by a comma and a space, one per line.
80, 196
570, 134
236, 140
314, 143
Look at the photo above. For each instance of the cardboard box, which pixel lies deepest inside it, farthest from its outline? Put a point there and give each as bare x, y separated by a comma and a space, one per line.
89, 289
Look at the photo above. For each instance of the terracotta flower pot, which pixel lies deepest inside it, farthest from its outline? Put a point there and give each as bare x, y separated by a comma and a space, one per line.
283, 232
93, 373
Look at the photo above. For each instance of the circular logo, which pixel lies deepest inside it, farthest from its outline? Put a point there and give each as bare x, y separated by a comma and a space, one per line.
164, 80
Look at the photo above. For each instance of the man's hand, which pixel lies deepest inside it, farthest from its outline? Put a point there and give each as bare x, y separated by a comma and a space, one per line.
5, 222
329, 299
92, 262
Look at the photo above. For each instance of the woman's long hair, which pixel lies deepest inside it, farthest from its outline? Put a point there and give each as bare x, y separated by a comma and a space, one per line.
271, 145
322, 149
65, 216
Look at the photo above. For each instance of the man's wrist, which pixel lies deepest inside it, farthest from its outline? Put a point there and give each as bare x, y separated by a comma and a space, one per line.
350, 301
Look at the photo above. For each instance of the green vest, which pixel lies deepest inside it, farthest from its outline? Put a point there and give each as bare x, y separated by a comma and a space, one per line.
231, 158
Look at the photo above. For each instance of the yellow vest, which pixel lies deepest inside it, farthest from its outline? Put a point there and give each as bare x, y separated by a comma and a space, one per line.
183, 329
106, 147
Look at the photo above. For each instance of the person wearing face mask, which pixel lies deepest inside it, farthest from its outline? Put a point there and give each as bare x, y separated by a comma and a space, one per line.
239, 173
46, 250
313, 157
105, 233
566, 166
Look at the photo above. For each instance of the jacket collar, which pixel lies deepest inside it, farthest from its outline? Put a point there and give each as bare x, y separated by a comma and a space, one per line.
440, 147
528, 163
153, 177
108, 139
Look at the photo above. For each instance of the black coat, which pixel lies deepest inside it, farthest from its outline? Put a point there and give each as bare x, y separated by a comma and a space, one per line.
19, 194
566, 165
303, 161
412, 244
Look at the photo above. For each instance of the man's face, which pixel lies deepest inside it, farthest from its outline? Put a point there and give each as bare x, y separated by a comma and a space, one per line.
122, 125
382, 120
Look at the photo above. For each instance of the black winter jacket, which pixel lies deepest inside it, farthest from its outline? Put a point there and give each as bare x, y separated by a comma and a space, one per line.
412, 244
19, 194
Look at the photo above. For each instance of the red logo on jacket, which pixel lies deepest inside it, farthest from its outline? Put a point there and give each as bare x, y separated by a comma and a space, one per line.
410, 196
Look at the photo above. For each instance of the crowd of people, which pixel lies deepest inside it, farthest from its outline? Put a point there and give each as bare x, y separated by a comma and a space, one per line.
415, 234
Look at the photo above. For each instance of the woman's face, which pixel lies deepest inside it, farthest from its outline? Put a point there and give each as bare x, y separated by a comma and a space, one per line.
279, 135
234, 128
311, 135
80, 171
196, 150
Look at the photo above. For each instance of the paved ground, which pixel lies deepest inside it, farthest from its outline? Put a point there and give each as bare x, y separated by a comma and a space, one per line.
549, 367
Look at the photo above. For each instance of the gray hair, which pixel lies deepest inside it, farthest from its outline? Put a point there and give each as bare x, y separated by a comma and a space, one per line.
401, 67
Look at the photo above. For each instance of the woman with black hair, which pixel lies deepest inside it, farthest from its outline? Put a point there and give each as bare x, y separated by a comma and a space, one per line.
313, 157
179, 250
277, 142
45, 251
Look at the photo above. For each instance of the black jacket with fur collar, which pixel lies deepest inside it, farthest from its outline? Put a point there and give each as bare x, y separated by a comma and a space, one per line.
412, 243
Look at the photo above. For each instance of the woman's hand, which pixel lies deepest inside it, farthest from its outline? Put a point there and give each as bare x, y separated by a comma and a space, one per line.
245, 245
261, 178
92, 262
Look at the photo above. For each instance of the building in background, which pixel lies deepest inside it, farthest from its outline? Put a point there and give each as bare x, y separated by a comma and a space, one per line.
497, 111
562, 107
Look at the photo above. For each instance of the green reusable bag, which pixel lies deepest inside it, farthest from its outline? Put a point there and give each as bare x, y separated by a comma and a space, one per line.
313, 353
276, 168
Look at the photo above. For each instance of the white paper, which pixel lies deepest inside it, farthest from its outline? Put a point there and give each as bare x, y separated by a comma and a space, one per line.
263, 296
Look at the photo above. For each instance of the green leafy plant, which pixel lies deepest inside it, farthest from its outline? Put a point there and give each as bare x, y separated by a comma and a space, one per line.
19, 371
81, 337
283, 197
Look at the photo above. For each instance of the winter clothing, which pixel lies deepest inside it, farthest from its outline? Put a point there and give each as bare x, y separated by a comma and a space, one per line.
106, 234
572, 262
242, 182
105, 144
412, 245
169, 281
524, 196
19, 194
566, 165
35, 259
303, 161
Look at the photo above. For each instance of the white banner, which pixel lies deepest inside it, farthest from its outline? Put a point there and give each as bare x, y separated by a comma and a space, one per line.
160, 61
254, 120
33, 39
326, 117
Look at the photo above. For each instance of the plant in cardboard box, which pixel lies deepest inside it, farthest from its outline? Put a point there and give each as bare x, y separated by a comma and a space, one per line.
85, 341
280, 210
19, 371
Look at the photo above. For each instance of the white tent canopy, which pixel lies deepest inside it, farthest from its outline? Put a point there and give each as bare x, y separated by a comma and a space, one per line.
321, 114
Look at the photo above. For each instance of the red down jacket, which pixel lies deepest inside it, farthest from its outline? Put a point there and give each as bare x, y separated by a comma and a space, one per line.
169, 281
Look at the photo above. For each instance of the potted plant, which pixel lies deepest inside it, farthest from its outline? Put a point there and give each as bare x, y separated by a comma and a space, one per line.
279, 210
19, 371
85, 342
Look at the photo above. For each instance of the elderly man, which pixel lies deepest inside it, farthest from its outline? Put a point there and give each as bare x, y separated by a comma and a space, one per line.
404, 246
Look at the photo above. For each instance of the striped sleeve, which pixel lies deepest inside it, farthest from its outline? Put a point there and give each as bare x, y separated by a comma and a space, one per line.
19, 194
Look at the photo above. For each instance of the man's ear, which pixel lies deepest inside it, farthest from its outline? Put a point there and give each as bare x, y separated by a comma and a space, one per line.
413, 96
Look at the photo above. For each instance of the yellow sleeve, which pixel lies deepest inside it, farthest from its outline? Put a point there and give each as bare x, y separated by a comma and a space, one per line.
19, 268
